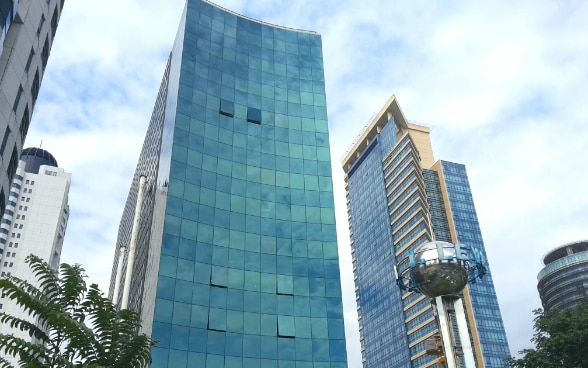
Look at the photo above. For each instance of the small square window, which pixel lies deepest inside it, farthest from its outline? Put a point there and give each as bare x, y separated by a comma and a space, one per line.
17, 99
285, 285
41, 22
253, 115
227, 108
28, 65
286, 327
219, 277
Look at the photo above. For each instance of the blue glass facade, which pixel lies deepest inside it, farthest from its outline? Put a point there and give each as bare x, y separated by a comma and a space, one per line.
398, 198
388, 210
489, 324
244, 252
378, 298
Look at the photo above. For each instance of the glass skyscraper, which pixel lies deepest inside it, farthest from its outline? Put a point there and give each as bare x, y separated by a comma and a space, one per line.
236, 262
398, 198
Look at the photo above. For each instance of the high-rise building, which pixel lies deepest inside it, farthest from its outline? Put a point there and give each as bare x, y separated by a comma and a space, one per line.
563, 282
26, 35
398, 198
34, 222
236, 261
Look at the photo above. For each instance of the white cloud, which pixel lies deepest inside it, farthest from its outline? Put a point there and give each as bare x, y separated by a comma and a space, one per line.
503, 83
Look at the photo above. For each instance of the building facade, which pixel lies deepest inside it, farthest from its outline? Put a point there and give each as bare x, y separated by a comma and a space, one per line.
399, 197
563, 282
34, 222
27, 31
236, 261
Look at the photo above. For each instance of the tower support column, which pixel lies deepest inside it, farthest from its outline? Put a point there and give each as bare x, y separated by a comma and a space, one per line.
464, 335
446, 332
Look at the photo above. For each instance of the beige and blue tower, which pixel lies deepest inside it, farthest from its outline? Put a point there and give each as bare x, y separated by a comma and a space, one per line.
398, 198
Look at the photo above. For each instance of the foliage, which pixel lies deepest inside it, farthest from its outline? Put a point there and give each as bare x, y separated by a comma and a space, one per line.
561, 340
76, 326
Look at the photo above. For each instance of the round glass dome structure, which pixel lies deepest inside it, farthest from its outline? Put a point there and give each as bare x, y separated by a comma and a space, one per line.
35, 157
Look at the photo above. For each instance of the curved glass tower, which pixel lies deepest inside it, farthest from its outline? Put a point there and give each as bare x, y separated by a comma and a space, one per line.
563, 282
236, 261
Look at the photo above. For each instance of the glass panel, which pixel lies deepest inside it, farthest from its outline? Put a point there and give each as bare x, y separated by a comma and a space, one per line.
254, 115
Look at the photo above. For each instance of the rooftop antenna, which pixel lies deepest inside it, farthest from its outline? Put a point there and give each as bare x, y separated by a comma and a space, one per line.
41, 145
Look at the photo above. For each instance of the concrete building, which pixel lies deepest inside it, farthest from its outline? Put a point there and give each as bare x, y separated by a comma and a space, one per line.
27, 31
34, 222
399, 197
236, 261
563, 282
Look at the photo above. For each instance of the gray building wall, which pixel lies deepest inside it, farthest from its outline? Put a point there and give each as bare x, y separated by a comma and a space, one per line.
28, 30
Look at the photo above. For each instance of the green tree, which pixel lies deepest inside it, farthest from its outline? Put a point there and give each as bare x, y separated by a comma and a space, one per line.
561, 340
76, 326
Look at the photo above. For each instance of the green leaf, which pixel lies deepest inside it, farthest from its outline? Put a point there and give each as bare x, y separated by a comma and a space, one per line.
75, 326
561, 337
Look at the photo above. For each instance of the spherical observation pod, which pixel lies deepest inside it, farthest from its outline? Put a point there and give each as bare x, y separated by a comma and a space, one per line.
439, 268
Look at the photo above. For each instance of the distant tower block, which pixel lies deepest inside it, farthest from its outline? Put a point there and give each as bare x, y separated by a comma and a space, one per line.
35, 221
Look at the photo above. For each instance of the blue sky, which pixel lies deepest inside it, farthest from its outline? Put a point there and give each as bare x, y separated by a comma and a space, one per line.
502, 83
